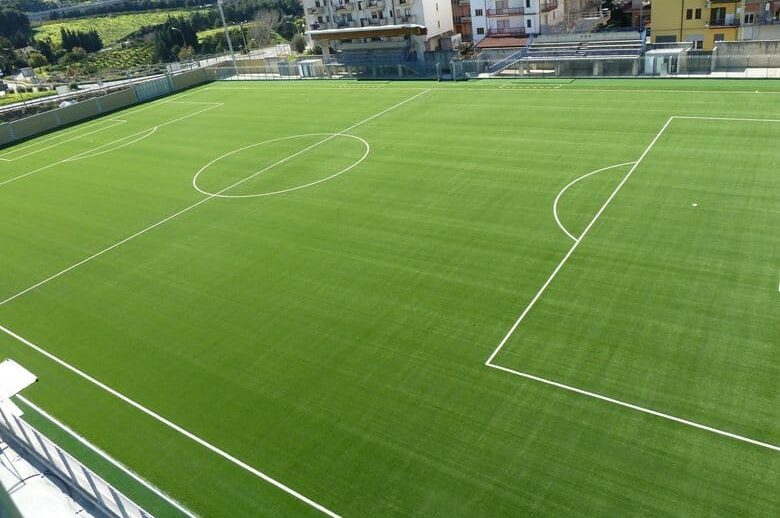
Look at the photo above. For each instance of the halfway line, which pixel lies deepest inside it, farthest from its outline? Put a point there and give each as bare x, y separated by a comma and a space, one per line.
196, 204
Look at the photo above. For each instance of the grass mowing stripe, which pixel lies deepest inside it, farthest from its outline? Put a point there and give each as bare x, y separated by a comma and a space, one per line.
566, 257
336, 336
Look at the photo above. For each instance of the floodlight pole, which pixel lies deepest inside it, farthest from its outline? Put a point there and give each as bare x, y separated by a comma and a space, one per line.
227, 35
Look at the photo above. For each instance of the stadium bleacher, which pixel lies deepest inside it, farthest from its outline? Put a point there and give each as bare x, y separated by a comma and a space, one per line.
624, 45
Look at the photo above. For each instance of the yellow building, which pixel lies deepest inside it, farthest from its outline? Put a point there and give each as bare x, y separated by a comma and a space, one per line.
702, 22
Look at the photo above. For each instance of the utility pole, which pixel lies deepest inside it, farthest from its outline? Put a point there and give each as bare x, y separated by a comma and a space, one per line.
227, 36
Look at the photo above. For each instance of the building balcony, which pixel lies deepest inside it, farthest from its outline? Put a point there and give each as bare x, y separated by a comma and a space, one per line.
505, 11
723, 23
344, 7
549, 5
406, 19
374, 4
500, 32
315, 10
343, 24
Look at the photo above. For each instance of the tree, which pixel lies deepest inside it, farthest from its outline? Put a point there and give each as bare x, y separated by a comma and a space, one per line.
298, 43
15, 26
89, 40
8, 57
186, 53
264, 26
36, 59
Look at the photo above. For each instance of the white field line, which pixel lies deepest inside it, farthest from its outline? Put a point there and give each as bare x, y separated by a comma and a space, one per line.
496, 88
92, 152
64, 133
562, 191
738, 119
107, 457
577, 243
243, 465
636, 407
169, 424
112, 146
116, 122
366, 146
563, 261
194, 205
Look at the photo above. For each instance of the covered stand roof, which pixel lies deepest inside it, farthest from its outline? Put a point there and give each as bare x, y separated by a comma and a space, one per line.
377, 31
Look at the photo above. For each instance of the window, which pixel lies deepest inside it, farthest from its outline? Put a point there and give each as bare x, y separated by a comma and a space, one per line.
697, 14
718, 16
480, 30
719, 37
438, 24
527, 4
528, 23
689, 14
319, 19
666, 39
749, 18
478, 12
698, 44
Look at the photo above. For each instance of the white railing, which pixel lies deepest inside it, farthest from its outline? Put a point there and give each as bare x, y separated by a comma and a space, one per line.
73, 472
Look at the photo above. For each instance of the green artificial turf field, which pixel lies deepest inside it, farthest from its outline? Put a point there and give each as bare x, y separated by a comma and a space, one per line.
320, 280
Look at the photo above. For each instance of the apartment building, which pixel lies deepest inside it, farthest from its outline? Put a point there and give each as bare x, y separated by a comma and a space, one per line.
701, 22
461, 17
435, 16
760, 20
514, 20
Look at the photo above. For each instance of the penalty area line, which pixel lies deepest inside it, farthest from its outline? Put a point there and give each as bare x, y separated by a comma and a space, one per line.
638, 408
489, 362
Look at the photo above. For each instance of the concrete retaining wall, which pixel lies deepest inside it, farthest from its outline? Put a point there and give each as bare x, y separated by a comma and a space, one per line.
47, 121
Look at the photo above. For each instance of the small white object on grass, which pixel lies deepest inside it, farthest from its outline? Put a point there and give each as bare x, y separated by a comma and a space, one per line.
695, 204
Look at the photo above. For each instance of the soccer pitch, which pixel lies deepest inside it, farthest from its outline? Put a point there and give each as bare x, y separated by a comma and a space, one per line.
393, 299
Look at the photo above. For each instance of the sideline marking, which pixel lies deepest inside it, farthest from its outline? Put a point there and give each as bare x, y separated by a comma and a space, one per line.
142, 408
186, 209
168, 423
366, 146
560, 194
107, 457
577, 241
91, 152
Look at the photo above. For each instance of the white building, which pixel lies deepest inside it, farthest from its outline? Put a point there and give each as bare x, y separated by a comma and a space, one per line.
352, 15
515, 18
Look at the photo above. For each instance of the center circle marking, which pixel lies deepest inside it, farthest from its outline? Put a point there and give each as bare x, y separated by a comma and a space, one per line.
328, 136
